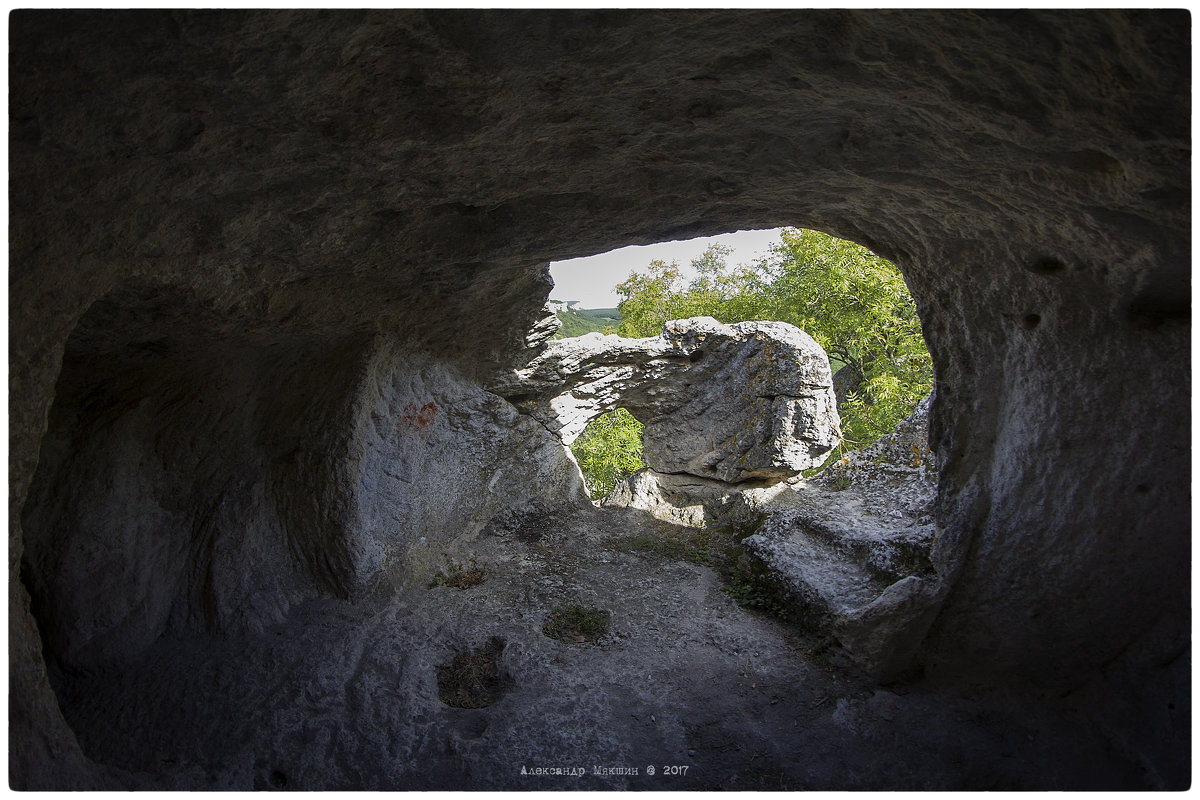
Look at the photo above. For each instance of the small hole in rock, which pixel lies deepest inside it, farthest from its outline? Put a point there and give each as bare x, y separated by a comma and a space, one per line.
1031, 321
473, 679
278, 779
1047, 266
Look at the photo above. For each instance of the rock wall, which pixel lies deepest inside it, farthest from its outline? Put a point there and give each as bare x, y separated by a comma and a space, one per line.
194, 484
239, 208
437, 458
853, 546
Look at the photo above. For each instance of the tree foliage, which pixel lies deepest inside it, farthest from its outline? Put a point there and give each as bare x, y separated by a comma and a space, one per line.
609, 450
854, 303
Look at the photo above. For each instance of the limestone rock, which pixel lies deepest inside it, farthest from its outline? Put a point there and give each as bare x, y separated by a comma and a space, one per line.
884, 635
680, 499
897, 474
182, 542
544, 328
212, 213
853, 546
727, 402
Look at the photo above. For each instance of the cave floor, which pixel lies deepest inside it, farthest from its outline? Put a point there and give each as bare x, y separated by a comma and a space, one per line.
345, 695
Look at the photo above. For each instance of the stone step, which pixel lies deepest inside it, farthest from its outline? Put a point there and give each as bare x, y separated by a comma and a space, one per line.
825, 580
889, 544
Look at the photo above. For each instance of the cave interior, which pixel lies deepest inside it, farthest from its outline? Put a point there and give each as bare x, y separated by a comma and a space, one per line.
265, 268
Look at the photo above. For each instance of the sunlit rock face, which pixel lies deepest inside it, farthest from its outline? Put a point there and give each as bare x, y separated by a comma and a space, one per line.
230, 230
727, 402
847, 551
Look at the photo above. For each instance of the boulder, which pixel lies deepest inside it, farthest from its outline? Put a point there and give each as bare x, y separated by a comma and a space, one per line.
680, 499
725, 402
851, 547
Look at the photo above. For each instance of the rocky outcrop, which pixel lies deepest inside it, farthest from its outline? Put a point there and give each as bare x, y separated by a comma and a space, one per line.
679, 499
896, 475
851, 547
218, 218
727, 402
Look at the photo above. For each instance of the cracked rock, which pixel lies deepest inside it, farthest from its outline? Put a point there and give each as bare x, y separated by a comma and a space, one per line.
726, 402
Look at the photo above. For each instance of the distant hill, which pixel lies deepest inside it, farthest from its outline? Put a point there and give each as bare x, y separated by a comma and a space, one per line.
578, 321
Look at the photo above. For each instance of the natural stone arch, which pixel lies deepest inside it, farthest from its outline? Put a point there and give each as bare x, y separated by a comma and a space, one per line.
317, 180
724, 402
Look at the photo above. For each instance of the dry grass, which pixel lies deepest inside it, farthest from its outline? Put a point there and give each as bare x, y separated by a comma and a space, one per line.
460, 577
473, 679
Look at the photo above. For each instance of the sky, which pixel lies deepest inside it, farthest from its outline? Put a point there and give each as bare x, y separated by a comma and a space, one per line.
591, 280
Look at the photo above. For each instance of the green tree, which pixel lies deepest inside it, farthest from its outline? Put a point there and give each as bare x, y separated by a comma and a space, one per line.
653, 298
854, 303
662, 294
609, 450
857, 306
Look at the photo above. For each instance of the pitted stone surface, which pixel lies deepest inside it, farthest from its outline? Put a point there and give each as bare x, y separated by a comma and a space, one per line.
217, 218
727, 402
897, 475
851, 546
854, 545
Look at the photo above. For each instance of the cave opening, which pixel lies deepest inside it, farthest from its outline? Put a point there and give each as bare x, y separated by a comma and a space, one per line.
234, 537
147, 479
857, 304
744, 456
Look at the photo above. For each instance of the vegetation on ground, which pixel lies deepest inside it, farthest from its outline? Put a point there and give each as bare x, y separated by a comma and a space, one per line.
753, 587
683, 544
473, 679
459, 576
578, 321
745, 578
609, 450
576, 624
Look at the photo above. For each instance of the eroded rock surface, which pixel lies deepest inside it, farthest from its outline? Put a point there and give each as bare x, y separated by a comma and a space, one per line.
177, 534
251, 240
851, 547
348, 695
727, 402
854, 546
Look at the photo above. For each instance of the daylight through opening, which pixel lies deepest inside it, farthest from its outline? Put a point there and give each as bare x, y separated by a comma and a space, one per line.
771, 409
852, 302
